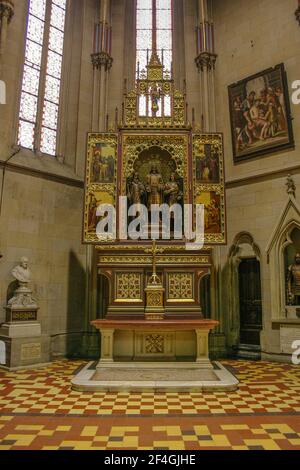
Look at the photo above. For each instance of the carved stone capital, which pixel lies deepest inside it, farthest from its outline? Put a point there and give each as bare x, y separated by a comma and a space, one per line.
297, 14
6, 10
206, 60
102, 59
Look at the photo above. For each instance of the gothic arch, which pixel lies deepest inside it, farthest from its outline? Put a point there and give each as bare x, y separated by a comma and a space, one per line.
244, 238
280, 240
243, 247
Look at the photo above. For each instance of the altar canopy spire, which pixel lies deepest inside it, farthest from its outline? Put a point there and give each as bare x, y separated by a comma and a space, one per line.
154, 27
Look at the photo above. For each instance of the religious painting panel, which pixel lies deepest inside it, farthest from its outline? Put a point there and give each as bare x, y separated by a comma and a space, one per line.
208, 187
260, 114
100, 180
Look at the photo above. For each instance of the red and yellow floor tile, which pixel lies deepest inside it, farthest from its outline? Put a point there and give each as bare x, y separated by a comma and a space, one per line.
38, 410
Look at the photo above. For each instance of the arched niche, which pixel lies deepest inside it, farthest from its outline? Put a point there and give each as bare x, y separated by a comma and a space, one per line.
281, 257
242, 250
289, 254
280, 249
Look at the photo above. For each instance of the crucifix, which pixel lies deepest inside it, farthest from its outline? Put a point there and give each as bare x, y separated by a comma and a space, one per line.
154, 251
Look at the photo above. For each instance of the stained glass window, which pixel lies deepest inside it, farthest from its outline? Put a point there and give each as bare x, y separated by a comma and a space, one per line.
41, 82
163, 32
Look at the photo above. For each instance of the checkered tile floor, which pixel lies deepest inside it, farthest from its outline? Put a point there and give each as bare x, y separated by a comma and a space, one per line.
38, 410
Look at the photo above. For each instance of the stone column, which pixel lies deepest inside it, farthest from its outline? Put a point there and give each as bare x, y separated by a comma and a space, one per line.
102, 63
6, 14
107, 346
297, 13
202, 357
205, 62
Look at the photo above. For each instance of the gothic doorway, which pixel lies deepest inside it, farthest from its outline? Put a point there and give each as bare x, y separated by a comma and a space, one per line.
250, 302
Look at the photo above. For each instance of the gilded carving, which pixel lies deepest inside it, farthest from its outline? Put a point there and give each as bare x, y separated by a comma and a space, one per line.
161, 260
180, 286
168, 152
154, 344
154, 299
140, 247
157, 84
128, 286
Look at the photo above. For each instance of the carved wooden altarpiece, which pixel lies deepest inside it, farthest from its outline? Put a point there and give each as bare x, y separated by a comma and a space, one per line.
154, 130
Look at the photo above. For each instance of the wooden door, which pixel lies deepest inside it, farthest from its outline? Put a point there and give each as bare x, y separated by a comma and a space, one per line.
250, 302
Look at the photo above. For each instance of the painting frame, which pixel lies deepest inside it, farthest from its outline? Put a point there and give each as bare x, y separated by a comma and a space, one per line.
262, 130
206, 192
101, 190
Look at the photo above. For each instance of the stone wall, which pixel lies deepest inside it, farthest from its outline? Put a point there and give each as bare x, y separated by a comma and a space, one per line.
42, 196
41, 205
251, 37
42, 220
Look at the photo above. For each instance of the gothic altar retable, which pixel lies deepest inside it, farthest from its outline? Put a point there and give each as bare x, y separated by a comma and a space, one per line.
155, 334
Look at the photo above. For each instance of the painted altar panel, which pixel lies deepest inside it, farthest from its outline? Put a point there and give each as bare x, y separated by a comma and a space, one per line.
100, 180
185, 174
208, 185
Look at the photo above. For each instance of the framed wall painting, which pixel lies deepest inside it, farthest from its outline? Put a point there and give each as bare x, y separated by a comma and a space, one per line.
260, 114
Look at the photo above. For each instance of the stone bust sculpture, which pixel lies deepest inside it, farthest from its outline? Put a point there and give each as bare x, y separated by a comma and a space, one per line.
293, 281
22, 272
23, 294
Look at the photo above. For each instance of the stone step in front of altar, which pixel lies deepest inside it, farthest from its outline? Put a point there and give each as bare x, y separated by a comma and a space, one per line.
139, 376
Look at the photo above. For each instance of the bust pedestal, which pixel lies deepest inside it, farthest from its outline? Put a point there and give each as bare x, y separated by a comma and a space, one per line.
21, 333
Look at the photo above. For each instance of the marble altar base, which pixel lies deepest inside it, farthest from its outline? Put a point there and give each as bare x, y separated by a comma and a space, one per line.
154, 355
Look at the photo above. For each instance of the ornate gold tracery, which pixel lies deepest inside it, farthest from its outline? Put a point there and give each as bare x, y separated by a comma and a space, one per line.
157, 89
191, 155
176, 145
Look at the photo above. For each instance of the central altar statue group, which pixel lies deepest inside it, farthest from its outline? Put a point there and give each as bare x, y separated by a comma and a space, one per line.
154, 190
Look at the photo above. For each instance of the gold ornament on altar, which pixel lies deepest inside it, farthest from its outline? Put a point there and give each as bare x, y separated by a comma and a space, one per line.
155, 103
154, 279
154, 290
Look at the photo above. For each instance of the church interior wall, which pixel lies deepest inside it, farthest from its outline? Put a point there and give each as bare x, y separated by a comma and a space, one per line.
251, 37
192, 76
115, 81
42, 196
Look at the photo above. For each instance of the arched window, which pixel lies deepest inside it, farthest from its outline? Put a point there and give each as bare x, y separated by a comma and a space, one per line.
41, 83
154, 32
